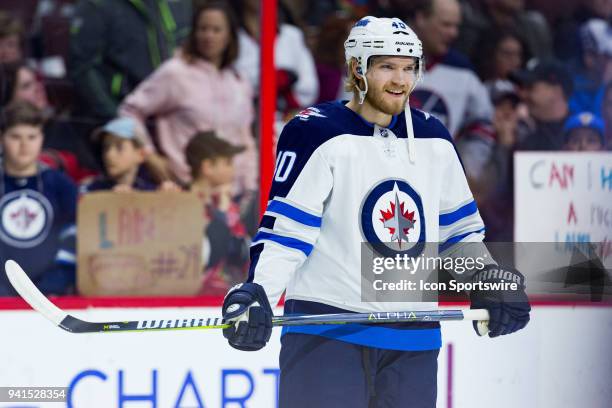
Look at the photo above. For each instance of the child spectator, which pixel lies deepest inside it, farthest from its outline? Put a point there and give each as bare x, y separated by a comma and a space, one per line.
226, 244
37, 206
125, 160
584, 132
65, 146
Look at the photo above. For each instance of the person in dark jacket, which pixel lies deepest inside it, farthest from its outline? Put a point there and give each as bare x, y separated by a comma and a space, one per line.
37, 206
115, 44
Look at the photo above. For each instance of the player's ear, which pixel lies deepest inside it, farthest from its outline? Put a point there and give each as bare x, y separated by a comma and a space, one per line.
356, 68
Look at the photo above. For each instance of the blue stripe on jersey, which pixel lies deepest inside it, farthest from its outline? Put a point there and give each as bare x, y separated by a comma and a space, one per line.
294, 213
453, 240
392, 336
458, 214
289, 242
373, 336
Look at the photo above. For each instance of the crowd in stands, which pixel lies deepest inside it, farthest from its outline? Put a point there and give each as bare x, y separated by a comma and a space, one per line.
159, 95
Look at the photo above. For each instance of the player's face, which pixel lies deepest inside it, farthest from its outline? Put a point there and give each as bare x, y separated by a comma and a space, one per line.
212, 34
121, 156
584, 140
22, 145
390, 80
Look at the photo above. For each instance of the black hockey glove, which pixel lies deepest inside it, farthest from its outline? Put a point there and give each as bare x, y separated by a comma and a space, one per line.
247, 306
508, 309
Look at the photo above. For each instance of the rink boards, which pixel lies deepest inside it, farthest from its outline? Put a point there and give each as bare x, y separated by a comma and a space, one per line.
561, 360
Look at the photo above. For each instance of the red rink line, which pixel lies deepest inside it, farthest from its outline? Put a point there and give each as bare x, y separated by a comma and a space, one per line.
77, 302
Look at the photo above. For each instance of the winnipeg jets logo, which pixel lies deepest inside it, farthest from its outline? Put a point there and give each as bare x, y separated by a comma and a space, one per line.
392, 218
398, 221
26, 217
308, 112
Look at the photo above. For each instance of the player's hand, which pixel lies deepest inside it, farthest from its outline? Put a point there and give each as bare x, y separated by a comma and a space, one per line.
508, 309
247, 306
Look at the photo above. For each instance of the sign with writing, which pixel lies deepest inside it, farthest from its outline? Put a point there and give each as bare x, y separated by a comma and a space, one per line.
564, 198
139, 244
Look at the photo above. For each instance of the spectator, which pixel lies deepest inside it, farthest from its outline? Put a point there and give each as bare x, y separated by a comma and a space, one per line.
487, 160
480, 19
595, 67
330, 60
567, 40
449, 89
606, 110
226, 244
548, 86
584, 132
503, 54
486, 154
125, 160
11, 33
199, 90
296, 75
37, 206
115, 44
20, 82
62, 138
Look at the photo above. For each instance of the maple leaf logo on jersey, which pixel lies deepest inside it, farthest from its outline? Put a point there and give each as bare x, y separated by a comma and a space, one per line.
23, 217
392, 219
308, 112
399, 223
26, 218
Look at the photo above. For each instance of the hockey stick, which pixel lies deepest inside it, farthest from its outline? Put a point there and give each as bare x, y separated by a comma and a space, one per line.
30, 293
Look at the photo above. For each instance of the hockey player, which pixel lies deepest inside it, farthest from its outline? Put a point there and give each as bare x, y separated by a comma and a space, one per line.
339, 165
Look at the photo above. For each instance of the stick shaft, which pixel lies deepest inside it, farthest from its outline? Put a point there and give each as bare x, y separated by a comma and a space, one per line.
28, 291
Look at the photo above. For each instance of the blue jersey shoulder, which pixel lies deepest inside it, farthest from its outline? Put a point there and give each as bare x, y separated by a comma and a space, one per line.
424, 124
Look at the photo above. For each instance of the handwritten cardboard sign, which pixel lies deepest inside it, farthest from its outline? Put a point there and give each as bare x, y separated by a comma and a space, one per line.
139, 244
564, 198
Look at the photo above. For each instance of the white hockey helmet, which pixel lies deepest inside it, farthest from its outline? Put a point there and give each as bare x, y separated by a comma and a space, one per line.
382, 36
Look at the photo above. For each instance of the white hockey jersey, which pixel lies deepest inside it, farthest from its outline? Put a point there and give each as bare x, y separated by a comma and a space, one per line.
334, 175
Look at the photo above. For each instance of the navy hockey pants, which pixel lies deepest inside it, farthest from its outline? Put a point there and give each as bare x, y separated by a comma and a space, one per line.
317, 372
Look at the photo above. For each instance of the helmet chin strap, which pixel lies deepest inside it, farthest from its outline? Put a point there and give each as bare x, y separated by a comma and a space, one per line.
362, 93
410, 132
408, 118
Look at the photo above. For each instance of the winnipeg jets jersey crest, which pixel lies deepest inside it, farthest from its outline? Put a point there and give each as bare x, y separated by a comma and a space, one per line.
26, 217
340, 182
392, 220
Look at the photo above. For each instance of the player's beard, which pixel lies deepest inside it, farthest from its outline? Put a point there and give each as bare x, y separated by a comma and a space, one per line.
379, 100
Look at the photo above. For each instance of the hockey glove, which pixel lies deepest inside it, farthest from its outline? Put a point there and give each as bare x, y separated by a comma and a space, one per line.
247, 306
508, 309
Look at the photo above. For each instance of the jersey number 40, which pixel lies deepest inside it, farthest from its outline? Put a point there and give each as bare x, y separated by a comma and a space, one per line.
284, 164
